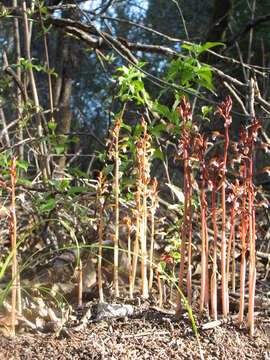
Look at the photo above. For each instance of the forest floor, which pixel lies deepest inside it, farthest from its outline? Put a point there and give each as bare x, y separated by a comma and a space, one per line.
146, 332
149, 333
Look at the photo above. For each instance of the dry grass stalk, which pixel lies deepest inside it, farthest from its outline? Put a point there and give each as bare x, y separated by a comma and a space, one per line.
80, 283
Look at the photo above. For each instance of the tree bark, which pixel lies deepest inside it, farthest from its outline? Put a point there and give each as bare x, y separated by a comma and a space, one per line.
63, 90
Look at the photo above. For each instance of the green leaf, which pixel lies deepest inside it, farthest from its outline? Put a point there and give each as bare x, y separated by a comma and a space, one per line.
159, 154
3, 160
77, 172
24, 182
206, 110
209, 45
44, 10
187, 73
77, 190
108, 169
205, 84
137, 130
48, 206
161, 266
141, 63
128, 181
162, 109
176, 255
75, 140
157, 129
206, 73
23, 165
102, 156
64, 184
125, 126
52, 125
60, 149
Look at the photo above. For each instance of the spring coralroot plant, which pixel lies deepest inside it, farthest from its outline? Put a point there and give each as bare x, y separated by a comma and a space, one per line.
13, 237
251, 226
116, 131
153, 194
102, 189
128, 221
185, 113
144, 215
224, 111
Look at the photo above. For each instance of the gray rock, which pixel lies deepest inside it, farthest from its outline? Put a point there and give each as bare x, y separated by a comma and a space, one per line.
105, 311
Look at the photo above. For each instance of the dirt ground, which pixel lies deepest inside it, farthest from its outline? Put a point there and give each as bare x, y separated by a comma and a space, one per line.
149, 333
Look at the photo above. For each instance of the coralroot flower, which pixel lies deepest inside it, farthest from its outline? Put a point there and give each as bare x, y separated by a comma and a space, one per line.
184, 109
225, 110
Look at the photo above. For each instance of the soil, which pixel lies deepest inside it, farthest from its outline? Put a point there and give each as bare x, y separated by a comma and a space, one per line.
149, 333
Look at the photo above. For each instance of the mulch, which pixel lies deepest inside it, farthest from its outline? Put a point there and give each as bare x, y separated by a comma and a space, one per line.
150, 333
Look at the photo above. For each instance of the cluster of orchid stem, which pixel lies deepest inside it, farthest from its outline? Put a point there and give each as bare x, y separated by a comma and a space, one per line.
194, 148
143, 193
184, 152
146, 201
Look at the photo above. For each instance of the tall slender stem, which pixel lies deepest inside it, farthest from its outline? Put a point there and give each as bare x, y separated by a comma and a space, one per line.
189, 259
225, 113
243, 244
13, 237
116, 186
214, 272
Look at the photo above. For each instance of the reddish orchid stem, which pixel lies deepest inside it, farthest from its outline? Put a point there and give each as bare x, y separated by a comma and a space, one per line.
203, 252
251, 215
189, 268
206, 298
185, 113
225, 113
230, 245
214, 273
183, 240
243, 242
